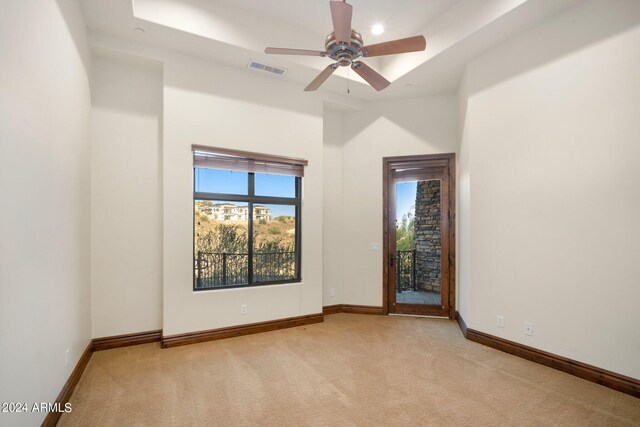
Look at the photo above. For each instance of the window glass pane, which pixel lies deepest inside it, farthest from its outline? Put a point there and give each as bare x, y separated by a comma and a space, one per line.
274, 240
418, 242
275, 185
221, 248
219, 181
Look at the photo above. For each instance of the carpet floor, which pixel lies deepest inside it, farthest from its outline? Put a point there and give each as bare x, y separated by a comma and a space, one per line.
350, 370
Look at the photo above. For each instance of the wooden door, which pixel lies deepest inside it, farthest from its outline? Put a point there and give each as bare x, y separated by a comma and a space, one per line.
419, 256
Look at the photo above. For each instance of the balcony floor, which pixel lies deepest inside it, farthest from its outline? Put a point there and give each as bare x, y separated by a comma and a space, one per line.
418, 297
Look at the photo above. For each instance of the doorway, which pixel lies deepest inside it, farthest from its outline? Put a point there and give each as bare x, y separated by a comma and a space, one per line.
419, 235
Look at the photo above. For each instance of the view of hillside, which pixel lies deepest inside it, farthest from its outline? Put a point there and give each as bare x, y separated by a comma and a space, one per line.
215, 236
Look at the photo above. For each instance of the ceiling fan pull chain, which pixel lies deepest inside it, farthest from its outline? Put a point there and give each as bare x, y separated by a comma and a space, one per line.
348, 81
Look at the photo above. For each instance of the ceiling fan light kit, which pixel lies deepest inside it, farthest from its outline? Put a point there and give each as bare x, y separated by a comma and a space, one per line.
345, 45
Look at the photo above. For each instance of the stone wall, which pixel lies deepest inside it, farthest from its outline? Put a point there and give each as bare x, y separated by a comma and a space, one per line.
427, 239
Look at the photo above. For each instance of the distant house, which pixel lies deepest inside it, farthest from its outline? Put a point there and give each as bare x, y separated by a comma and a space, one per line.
261, 213
232, 212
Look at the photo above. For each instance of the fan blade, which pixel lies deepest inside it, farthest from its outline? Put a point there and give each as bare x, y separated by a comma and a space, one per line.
341, 13
411, 44
285, 51
324, 75
370, 75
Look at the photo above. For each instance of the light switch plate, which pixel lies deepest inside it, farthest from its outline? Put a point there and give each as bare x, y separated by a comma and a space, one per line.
374, 246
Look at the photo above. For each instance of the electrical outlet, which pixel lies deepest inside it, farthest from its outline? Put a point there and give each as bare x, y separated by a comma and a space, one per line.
66, 357
500, 321
332, 292
528, 328
243, 309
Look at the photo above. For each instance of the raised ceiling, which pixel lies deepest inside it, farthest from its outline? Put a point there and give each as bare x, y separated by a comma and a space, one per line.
399, 17
235, 31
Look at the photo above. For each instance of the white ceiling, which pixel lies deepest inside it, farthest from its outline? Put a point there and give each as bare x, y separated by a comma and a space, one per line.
399, 17
235, 31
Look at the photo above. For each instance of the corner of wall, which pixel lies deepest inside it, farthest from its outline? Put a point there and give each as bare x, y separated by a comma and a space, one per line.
333, 284
463, 201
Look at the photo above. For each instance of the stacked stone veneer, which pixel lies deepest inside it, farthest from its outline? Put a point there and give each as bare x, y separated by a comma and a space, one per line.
428, 238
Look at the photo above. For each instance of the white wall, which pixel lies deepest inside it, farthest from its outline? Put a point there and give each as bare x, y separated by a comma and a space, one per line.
45, 203
391, 128
553, 130
126, 239
463, 208
219, 106
332, 208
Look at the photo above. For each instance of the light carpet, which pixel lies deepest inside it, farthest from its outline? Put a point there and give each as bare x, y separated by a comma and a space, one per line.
350, 370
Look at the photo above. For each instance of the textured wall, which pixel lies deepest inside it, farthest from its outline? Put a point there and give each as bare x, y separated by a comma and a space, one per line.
428, 240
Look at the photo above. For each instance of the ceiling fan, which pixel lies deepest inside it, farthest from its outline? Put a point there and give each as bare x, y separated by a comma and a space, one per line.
344, 45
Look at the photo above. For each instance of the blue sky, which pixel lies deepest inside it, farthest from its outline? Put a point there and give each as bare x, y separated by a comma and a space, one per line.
405, 197
229, 182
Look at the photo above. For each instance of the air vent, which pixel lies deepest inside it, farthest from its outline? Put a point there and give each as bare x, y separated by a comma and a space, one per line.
256, 66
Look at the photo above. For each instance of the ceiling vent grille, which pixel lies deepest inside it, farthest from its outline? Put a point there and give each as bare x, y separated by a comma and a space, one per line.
256, 66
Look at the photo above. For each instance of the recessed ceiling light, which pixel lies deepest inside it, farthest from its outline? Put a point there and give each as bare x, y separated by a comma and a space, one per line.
377, 29
139, 30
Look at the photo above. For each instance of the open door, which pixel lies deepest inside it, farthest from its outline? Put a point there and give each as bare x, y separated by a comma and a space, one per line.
419, 218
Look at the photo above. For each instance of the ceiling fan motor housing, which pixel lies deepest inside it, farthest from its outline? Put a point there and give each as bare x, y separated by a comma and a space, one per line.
344, 54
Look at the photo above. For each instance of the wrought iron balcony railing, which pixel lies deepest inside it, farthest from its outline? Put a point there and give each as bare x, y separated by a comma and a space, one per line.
406, 271
220, 269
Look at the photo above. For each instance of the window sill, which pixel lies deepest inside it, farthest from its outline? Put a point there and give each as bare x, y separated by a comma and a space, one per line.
253, 285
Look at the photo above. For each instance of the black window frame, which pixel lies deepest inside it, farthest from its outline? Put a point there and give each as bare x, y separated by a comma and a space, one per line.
250, 198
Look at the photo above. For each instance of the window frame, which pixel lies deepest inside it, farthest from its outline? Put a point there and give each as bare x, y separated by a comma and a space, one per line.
250, 198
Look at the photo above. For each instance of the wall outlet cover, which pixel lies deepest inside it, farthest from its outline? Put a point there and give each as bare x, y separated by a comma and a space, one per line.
528, 328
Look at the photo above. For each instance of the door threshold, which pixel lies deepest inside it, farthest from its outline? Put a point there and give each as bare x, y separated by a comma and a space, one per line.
419, 315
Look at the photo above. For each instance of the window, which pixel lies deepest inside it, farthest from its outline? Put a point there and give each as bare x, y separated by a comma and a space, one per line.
246, 219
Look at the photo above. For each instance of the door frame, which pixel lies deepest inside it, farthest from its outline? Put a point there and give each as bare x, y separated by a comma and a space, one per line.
428, 160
